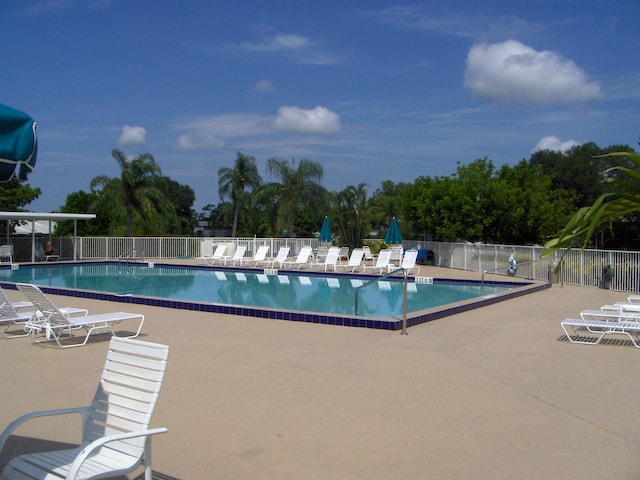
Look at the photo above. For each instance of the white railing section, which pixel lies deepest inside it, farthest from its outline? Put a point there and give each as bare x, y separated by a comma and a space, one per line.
586, 268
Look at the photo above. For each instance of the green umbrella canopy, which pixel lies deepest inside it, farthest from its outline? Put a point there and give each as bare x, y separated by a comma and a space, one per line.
325, 231
393, 236
18, 144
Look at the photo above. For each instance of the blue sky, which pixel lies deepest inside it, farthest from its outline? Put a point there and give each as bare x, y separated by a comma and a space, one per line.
372, 90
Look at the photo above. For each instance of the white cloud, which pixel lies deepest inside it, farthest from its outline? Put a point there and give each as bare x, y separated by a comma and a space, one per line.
555, 144
194, 142
281, 42
132, 136
512, 71
264, 86
319, 120
295, 47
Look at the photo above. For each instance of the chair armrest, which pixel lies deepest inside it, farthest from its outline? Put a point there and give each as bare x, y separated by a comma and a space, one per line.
96, 444
43, 413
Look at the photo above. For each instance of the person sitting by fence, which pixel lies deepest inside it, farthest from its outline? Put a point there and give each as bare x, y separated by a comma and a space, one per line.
50, 251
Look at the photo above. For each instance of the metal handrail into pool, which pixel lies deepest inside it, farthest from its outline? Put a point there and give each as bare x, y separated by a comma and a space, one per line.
404, 300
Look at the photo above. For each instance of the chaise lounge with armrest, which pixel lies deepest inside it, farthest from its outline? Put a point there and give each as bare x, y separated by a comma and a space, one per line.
52, 324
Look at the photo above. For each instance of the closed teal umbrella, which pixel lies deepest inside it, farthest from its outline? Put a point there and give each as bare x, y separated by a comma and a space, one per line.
18, 144
325, 231
393, 236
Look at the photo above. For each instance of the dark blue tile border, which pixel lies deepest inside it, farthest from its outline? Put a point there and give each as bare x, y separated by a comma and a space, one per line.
393, 323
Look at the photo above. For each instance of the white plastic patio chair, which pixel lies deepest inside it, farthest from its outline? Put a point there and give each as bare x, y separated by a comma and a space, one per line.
116, 438
52, 324
260, 256
355, 261
237, 256
301, 260
396, 256
218, 254
382, 262
368, 256
278, 260
408, 263
343, 255
6, 251
330, 260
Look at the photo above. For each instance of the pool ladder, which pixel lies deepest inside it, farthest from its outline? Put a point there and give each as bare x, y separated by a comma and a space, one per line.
405, 274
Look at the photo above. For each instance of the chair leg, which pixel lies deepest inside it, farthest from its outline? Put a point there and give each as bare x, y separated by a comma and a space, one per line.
146, 459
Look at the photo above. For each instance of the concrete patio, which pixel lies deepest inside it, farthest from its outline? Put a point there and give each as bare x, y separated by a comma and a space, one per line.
496, 392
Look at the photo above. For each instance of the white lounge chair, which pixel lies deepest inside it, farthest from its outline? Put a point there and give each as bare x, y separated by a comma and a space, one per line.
396, 256
212, 255
236, 257
13, 314
382, 262
593, 331
218, 254
51, 323
610, 315
368, 256
330, 260
623, 306
6, 251
260, 256
302, 259
280, 258
408, 262
343, 255
355, 261
116, 438
633, 298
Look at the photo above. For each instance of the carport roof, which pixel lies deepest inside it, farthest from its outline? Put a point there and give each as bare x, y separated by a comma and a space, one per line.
46, 216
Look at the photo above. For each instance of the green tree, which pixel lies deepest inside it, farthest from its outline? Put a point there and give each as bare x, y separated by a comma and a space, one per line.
299, 189
511, 205
349, 214
386, 203
234, 182
578, 170
138, 190
621, 201
182, 197
14, 195
527, 205
84, 202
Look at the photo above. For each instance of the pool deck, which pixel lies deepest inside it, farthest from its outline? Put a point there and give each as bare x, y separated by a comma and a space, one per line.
495, 392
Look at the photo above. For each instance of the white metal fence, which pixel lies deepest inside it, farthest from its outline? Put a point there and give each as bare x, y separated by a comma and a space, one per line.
618, 270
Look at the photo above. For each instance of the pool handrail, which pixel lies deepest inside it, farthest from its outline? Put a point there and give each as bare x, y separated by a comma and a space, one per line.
404, 299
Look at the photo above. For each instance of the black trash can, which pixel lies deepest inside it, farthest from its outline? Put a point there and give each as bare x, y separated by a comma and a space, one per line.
607, 275
431, 258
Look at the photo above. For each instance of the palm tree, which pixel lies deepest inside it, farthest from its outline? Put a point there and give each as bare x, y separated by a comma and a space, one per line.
136, 189
232, 183
300, 188
608, 208
350, 212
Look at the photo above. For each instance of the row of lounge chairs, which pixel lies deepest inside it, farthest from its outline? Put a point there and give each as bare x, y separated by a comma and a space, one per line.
334, 258
41, 319
593, 326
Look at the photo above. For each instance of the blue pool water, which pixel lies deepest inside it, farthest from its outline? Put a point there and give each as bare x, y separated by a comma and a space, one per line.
296, 292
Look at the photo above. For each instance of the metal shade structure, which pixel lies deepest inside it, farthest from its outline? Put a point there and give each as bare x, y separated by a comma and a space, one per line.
49, 217
393, 236
18, 144
325, 231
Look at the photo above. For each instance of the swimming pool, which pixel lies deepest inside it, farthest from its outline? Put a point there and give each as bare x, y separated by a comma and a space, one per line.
307, 296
